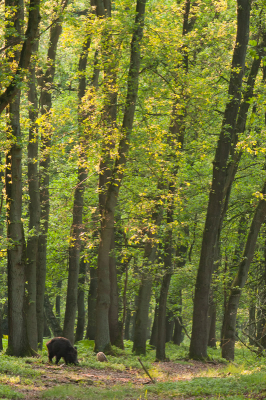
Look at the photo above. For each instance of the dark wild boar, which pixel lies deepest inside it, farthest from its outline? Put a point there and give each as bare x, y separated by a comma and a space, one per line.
61, 347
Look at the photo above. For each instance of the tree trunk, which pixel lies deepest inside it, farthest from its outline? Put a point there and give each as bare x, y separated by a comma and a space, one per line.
177, 131
212, 325
34, 211
199, 339
51, 319
74, 252
168, 267
46, 330
127, 324
58, 300
31, 33
145, 290
91, 327
169, 326
102, 340
178, 336
114, 325
141, 322
252, 324
16, 250
46, 103
228, 340
163, 331
154, 331
81, 306
76, 228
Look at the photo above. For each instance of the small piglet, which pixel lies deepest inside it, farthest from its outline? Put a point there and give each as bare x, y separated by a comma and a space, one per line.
61, 347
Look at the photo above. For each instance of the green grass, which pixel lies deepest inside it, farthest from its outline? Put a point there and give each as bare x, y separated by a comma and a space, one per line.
78, 392
7, 393
245, 378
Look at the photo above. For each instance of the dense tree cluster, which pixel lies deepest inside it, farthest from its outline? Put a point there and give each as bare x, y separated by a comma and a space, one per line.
133, 173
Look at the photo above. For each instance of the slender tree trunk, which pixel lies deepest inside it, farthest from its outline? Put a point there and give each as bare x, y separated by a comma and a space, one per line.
46, 104
162, 315
91, 327
228, 340
81, 306
24, 60
169, 326
16, 250
154, 331
77, 226
177, 130
51, 319
145, 290
58, 300
74, 252
199, 339
212, 325
114, 325
127, 324
252, 323
34, 211
102, 340
46, 330
178, 335
141, 322
261, 313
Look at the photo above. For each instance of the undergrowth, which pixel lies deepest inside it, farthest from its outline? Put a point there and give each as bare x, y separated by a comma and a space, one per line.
243, 379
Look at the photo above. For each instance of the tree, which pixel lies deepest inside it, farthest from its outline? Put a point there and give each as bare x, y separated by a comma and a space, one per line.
199, 338
102, 340
18, 344
46, 82
228, 340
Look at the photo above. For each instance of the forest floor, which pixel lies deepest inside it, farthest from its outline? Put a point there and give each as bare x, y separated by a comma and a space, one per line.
123, 377
52, 375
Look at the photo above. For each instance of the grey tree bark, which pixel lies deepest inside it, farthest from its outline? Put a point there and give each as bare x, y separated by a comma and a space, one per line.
199, 339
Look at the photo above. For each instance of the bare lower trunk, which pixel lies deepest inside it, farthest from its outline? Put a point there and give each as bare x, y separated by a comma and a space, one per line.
141, 323
212, 325
74, 252
52, 321
178, 335
145, 290
154, 331
114, 325
81, 305
91, 327
228, 340
160, 348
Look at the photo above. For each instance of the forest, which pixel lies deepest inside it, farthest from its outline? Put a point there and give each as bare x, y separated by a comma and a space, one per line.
133, 176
